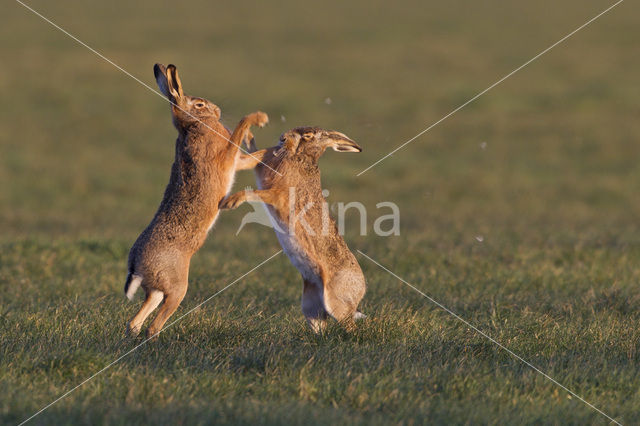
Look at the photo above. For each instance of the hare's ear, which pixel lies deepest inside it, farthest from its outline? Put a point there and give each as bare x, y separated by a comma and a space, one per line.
340, 142
175, 86
160, 72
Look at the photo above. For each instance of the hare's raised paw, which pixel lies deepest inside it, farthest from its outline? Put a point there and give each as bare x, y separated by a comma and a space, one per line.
258, 118
232, 201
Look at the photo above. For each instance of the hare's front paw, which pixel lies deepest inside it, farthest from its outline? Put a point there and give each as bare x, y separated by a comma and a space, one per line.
232, 201
258, 118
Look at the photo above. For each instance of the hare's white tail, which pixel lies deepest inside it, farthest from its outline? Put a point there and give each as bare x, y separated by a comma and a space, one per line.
357, 315
132, 285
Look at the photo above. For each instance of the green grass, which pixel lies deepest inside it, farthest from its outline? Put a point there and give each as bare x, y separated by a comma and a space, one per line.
85, 153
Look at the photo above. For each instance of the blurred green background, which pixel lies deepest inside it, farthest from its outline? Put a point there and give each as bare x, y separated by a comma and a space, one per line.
543, 169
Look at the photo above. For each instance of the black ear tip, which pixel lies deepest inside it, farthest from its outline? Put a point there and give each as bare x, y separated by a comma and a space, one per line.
157, 70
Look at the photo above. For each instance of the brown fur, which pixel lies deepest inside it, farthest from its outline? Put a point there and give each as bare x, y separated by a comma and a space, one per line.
333, 281
201, 175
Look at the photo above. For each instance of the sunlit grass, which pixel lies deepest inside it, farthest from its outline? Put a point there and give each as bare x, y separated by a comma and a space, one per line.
519, 213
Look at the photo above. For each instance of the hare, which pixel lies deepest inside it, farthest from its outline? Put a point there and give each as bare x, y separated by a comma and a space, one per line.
206, 158
333, 281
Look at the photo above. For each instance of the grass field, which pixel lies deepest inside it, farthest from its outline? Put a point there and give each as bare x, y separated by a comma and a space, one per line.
543, 170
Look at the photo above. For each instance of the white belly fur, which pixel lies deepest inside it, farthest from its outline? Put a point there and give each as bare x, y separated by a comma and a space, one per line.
291, 247
294, 251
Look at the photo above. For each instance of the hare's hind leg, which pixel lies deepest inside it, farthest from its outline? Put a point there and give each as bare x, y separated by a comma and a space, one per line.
341, 297
153, 299
172, 300
313, 307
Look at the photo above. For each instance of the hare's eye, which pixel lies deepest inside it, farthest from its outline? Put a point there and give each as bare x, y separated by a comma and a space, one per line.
199, 104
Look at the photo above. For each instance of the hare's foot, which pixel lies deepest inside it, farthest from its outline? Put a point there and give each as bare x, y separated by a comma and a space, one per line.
317, 325
153, 300
258, 118
313, 307
233, 201
171, 302
132, 330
